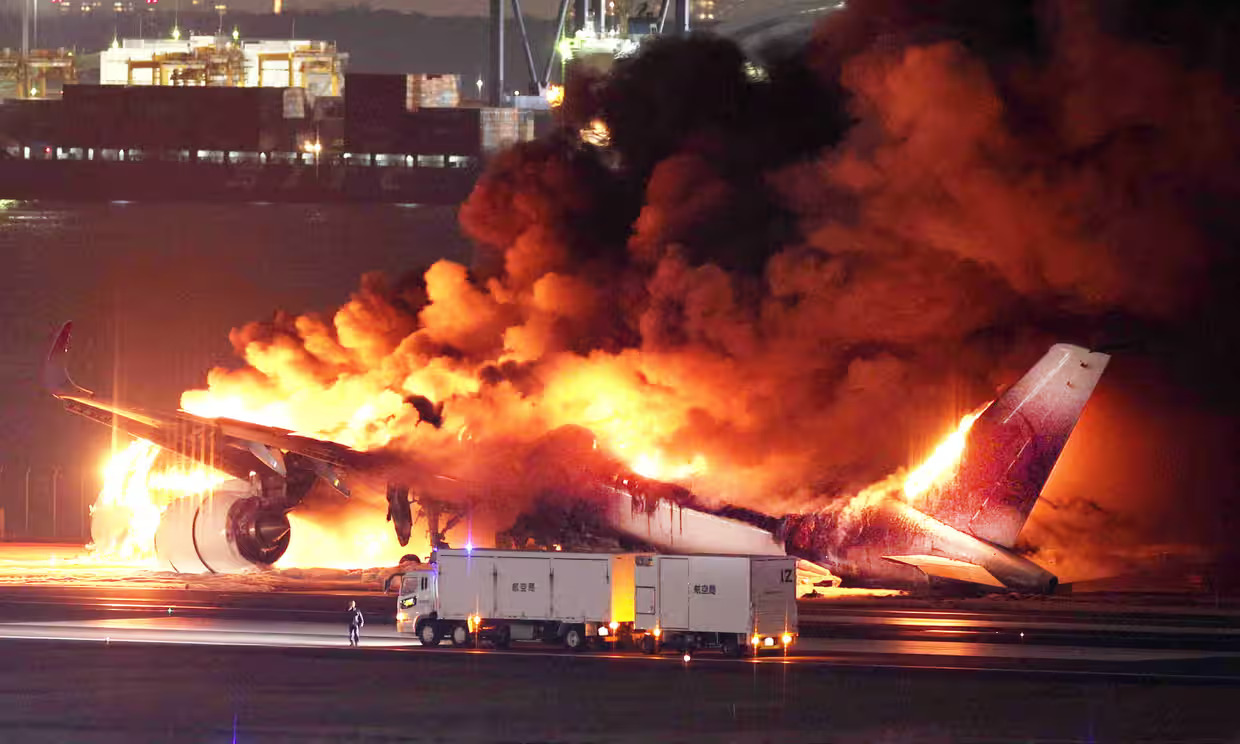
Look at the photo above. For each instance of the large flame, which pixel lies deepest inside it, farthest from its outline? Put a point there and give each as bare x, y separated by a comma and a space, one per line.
134, 496
136, 492
942, 461
356, 540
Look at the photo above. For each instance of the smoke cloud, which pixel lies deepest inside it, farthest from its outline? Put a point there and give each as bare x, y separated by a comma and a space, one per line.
778, 288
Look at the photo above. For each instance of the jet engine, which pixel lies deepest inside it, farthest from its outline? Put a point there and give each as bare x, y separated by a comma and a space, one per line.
224, 531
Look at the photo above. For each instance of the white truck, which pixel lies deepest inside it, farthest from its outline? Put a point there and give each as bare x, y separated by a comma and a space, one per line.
734, 603
738, 604
500, 596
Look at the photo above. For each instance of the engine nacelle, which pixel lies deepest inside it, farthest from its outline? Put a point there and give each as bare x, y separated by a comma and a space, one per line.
221, 532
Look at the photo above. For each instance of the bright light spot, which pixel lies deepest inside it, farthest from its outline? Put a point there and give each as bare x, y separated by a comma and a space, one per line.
651, 465
596, 134
602, 631
357, 538
554, 95
687, 657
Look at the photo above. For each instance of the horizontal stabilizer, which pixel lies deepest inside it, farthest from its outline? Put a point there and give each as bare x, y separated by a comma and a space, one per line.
810, 575
948, 568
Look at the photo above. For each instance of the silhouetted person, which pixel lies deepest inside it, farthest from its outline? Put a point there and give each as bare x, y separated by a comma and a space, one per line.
356, 621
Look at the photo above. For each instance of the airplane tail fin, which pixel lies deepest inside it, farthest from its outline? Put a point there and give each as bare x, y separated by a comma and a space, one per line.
1014, 444
55, 371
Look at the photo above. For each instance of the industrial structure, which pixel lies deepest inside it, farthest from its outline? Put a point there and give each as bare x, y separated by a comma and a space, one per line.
218, 117
40, 74
594, 33
595, 30
316, 66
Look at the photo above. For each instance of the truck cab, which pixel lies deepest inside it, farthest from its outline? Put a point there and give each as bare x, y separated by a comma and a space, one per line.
417, 597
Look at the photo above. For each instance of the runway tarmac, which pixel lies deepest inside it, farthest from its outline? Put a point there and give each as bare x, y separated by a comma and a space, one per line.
115, 662
187, 630
56, 691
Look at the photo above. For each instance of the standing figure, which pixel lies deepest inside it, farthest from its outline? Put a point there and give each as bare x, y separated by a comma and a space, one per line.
356, 622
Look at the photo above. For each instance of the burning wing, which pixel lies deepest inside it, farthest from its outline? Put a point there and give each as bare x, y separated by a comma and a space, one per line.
236, 527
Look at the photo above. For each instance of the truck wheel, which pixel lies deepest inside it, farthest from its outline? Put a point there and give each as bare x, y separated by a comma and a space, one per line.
574, 639
429, 635
649, 645
503, 637
460, 636
731, 646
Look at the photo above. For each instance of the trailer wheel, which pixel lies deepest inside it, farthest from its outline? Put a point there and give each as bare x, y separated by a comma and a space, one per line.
574, 639
429, 634
460, 636
732, 646
649, 644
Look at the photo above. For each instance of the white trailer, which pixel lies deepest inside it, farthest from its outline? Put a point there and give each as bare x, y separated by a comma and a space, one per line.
501, 596
735, 603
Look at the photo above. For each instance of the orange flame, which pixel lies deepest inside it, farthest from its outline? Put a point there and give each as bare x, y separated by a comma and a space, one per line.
134, 496
942, 461
136, 493
360, 539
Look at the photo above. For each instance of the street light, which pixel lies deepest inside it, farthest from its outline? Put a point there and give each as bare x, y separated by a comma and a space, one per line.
479, 84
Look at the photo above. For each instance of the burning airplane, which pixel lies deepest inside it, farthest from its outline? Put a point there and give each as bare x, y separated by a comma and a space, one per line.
956, 517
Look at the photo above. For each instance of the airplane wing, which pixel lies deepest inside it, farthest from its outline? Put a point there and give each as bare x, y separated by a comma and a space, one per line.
238, 448
949, 568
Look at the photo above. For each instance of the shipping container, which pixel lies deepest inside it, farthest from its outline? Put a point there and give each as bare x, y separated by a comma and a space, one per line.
158, 118
374, 112
432, 91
